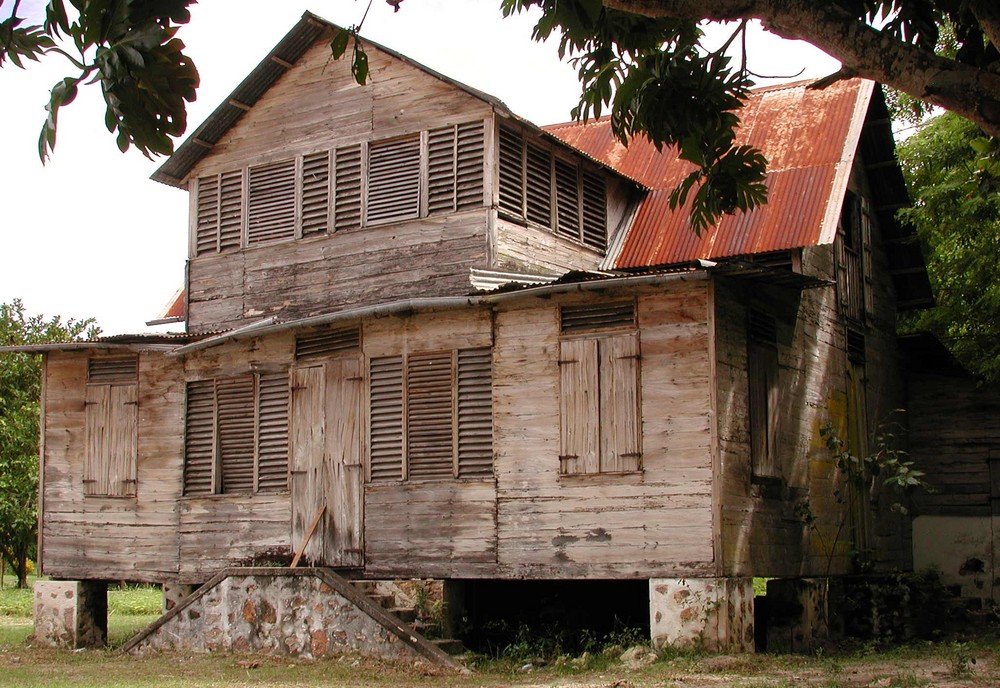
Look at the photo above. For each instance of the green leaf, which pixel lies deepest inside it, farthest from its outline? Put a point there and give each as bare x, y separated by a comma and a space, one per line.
359, 67
338, 44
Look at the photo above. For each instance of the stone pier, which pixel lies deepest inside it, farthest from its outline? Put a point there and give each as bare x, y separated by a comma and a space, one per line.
711, 614
71, 614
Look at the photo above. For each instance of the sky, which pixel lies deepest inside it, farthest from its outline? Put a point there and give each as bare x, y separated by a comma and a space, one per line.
90, 235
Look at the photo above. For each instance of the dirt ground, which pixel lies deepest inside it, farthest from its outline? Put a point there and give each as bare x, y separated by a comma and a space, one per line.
941, 665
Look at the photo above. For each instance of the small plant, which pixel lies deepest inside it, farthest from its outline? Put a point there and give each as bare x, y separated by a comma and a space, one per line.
960, 660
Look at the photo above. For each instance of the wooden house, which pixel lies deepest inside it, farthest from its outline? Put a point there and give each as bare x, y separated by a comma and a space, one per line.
465, 347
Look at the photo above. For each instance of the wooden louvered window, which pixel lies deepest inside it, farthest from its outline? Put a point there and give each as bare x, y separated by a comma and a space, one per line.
431, 416
315, 193
347, 195
600, 420
855, 288
271, 202
762, 385
593, 317
219, 221
110, 465
393, 180
325, 341
455, 168
236, 435
542, 188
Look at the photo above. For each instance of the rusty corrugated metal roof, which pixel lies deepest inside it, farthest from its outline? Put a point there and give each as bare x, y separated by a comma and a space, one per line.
810, 138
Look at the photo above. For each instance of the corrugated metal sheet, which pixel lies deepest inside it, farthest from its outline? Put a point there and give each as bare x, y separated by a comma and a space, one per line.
805, 135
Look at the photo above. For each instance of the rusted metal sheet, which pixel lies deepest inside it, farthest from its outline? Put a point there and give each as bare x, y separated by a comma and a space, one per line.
806, 135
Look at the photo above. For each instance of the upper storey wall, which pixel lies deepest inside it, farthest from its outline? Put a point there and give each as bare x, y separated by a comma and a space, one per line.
245, 263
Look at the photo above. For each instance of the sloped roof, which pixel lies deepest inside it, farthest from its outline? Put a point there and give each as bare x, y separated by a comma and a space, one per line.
809, 137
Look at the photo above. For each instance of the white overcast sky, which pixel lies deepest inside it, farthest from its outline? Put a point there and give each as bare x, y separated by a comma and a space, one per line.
90, 234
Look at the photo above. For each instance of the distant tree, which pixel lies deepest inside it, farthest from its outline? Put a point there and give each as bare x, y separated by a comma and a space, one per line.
20, 390
960, 229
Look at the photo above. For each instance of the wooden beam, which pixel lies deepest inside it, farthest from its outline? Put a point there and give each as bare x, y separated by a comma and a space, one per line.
284, 63
237, 104
308, 537
203, 143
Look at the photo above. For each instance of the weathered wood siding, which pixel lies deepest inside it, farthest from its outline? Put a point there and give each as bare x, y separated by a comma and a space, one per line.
133, 538
764, 529
634, 525
318, 106
954, 431
430, 527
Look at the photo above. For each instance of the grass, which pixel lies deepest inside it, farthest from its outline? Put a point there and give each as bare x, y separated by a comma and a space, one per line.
130, 609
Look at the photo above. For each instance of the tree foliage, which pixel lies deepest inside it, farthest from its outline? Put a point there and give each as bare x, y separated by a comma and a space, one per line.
126, 46
947, 167
20, 390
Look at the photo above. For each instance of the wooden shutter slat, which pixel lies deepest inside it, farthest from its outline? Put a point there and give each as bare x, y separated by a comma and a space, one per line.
386, 418
123, 445
475, 413
595, 210
393, 180
235, 408
593, 317
511, 173
619, 382
207, 222
430, 415
113, 369
272, 432
95, 469
579, 401
315, 193
347, 189
441, 170
271, 202
538, 185
231, 210
567, 200
199, 438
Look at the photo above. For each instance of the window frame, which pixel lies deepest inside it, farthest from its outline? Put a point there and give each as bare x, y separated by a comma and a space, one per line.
600, 379
763, 390
409, 441
111, 414
210, 437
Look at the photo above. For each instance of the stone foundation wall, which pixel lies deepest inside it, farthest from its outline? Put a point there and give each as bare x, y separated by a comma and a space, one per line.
299, 616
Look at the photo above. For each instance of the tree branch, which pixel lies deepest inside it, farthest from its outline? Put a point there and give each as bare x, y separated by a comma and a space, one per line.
966, 90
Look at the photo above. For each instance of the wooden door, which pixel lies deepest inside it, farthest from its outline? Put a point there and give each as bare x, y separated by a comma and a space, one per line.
326, 462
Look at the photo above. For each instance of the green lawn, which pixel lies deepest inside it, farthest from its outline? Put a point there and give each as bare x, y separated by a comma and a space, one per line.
130, 608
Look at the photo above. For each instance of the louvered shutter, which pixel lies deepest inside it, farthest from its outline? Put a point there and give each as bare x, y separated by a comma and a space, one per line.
199, 439
271, 202
579, 409
538, 185
430, 415
315, 193
567, 200
326, 341
95, 467
122, 449
865, 219
393, 180
619, 382
207, 222
597, 316
230, 210
470, 160
386, 402
347, 188
113, 369
595, 211
272, 432
235, 408
511, 173
475, 413
441, 165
